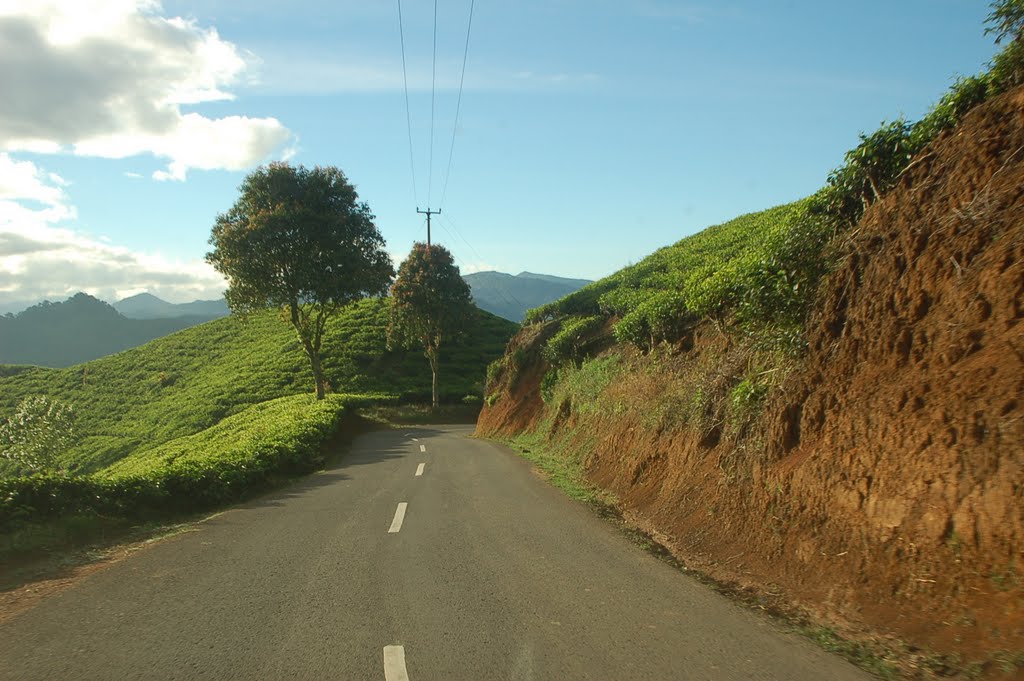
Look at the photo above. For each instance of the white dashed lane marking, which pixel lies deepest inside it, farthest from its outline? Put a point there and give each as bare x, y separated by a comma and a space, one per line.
394, 664
396, 524
423, 448
419, 469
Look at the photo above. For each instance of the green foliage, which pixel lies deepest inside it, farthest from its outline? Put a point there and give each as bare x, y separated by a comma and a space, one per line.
870, 170
494, 370
514, 363
518, 359
569, 343
748, 394
856, 652
224, 464
222, 367
299, 239
1006, 20
1007, 68
581, 302
285, 427
585, 384
430, 303
964, 95
659, 317
548, 383
37, 433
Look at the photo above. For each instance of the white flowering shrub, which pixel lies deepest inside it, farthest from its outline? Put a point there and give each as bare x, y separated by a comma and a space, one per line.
37, 433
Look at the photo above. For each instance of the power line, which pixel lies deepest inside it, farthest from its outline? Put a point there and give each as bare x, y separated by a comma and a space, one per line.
447, 218
507, 297
458, 105
433, 87
408, 116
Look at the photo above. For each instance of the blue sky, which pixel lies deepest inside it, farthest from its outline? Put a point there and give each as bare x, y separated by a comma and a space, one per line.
591, 132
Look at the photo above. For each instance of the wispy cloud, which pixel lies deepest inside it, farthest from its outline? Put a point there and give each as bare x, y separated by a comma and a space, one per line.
285, 70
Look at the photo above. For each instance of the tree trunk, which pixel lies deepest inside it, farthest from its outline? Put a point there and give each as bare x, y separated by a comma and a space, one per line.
314, 355
318, 374
433, 370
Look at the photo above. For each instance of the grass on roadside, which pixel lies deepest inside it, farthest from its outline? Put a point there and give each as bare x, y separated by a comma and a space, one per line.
563, 470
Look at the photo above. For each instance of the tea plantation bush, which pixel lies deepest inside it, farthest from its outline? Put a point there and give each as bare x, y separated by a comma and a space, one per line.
242, 454
757, 268
567, 344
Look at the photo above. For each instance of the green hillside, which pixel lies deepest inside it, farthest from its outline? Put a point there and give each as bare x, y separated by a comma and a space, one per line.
756, 269
187, 382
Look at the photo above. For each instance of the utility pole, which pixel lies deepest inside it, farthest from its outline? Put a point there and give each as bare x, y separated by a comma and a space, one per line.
428, 213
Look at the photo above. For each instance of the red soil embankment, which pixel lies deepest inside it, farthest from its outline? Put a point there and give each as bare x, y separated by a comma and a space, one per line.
883, 486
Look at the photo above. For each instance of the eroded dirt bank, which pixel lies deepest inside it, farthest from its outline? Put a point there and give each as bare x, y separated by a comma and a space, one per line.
880, 486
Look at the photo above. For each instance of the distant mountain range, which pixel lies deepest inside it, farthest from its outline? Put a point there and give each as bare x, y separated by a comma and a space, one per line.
148, 306
84, 328
79, 329
511, 296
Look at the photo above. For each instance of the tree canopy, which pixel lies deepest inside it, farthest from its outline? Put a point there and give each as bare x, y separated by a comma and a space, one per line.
299, 239
430, 302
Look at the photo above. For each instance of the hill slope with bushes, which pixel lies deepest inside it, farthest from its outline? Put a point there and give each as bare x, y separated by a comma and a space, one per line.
187, 382
821, 402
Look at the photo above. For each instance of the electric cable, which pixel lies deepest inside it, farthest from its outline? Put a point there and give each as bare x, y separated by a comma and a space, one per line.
433, 89
458, 105
505, 295
408, 115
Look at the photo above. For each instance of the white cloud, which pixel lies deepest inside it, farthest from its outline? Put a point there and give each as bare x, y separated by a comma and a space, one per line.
22, 180
53, 263
108, 78
41, 259
472, 267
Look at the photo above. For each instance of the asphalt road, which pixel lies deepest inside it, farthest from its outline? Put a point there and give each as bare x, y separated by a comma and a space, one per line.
490, 574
